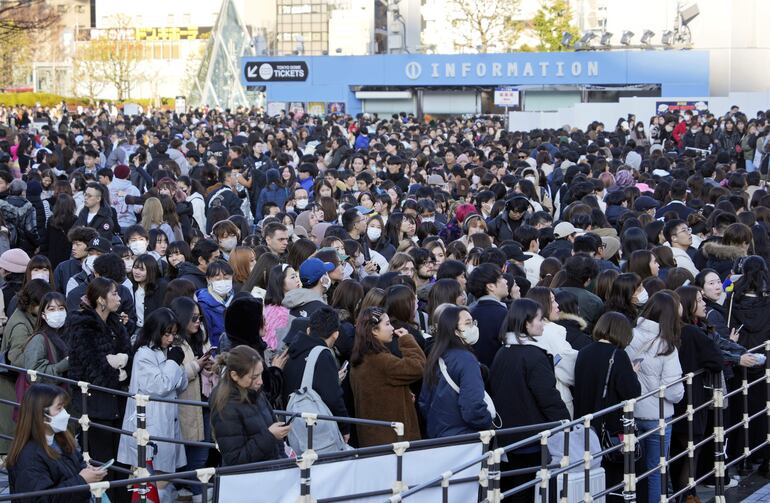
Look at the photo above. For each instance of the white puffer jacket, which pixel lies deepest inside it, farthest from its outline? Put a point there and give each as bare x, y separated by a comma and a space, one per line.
655, 371
554, 342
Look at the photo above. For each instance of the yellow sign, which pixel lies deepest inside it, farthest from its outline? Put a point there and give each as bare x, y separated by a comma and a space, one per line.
189, 33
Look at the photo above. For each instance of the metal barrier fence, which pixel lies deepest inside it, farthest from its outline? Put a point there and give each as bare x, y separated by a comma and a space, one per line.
489, 475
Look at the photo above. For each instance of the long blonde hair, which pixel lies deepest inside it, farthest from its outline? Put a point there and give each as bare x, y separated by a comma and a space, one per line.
152, 213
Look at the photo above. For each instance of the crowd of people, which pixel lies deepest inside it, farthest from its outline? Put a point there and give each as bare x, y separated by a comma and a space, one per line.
449, 275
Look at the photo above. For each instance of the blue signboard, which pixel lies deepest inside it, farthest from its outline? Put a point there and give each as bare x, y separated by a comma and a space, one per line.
330, 78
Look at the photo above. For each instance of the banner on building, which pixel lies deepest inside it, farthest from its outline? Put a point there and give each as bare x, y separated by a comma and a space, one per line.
275, 71
275, 107
316, 108
335, 107
670, 107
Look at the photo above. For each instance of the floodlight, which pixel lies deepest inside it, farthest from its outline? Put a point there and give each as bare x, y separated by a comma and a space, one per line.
689, 13
566, 39
606, 38
647, 37
625, 39
585, 40
667, 38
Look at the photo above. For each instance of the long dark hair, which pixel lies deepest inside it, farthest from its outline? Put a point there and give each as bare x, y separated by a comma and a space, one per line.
63, 213
688, 297
365, 342
399, 303
275, 281
151, 269
31, 426
754, 277
622, 293
183, 308
444, 339
663, 308
521, 312
156, 325
443, 291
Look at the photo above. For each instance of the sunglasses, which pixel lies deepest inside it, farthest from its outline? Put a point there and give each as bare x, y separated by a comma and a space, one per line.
195, 317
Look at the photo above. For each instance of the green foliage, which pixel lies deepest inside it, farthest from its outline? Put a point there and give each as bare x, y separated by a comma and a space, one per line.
50, 100
552, 20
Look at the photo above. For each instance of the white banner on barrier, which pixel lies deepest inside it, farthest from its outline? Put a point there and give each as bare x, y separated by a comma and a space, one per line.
341, 478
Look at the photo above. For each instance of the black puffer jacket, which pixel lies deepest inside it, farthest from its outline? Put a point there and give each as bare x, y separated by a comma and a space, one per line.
721, 257
91, 340
241, 429
104, 222
36, 471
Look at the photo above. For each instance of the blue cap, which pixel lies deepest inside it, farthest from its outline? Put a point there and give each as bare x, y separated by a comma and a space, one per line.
364, 210
312, 270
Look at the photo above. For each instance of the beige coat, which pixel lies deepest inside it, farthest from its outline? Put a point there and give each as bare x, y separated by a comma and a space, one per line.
191, 417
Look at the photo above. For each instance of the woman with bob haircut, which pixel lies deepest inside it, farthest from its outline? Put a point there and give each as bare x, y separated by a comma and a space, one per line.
524, 370
627, 295
605, 376
43, 454
380, 380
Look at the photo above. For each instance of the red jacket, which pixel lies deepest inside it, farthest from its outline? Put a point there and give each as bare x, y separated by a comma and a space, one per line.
679, 132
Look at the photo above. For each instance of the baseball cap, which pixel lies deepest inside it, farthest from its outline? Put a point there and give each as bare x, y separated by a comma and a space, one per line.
564, 229
312, 270
100, 244
364, 210
644, 203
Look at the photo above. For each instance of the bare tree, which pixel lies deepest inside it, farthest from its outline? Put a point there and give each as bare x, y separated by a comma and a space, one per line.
485, 25
23, 17
113, 57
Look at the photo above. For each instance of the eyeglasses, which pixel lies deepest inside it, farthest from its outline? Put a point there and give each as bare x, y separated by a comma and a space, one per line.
688, 230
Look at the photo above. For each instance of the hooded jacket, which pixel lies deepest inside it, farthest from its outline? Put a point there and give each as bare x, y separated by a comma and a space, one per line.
576, 330
526, 371
126, 212
302, 302
190, 272
213, 312
272, 193
325, 378
20, 213
721, 257
656, 370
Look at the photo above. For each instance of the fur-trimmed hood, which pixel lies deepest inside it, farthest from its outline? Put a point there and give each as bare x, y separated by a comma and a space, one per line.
721, 251
574, 317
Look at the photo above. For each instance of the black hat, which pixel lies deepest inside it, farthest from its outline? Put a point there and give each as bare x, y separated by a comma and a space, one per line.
513, 252
644, 203
100, 244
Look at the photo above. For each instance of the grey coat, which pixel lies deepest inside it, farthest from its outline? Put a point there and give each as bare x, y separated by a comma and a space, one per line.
153, 374
36, 357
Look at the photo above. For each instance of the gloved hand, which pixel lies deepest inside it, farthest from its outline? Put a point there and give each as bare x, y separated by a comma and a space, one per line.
122, 375
175, 354
117, 361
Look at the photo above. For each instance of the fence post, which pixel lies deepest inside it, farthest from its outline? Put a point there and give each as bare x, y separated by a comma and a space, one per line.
84, 421
767, 385
494, 473
400, 448
544, 474
629, 450
587, 457
306, 460
486, 438
662, 439
564, 464
745, 465
142, 439
719, 445
690, 435
98, 489
204, 475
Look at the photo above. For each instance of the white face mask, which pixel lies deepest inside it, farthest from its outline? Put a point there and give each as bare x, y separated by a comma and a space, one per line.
301, 203
40, 275
290, 209
429, 219
642, 298
129, 263
374, 233
228, 244
88, 265
347, 271
222, 287
475, 179
138, 247
59, 422
55, 319
471, 335
290, 230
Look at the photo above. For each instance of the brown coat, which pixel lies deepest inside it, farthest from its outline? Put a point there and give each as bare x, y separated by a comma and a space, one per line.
381, 392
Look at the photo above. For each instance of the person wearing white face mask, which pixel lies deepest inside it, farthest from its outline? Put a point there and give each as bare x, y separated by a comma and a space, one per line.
98, 246
46, 351
226, 235
459, 406
44, 447
216, 297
